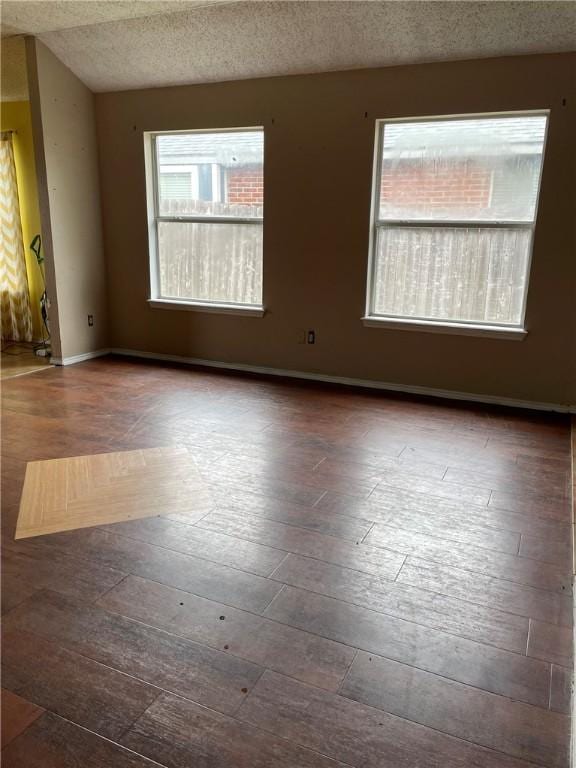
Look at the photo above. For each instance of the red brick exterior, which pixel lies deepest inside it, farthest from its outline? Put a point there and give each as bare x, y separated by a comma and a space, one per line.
410, 183
245, 185
405, 184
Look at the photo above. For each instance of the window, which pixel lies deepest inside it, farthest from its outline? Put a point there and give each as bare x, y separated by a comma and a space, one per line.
453, 217
205, 203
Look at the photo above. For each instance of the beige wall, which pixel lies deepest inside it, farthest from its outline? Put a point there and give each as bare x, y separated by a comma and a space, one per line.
319, 139
67, 165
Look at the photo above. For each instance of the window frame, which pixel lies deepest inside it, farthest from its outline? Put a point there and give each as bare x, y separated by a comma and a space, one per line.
155, 299
438, 325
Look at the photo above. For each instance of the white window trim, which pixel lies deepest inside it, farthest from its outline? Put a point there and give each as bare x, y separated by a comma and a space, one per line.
430, 325
249, 310
155, 299
508, 332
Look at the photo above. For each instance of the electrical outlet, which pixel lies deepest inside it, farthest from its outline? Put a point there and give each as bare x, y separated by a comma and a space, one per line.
311, 338
90, 320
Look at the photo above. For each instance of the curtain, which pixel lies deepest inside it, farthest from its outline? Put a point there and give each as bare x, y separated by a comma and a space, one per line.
14, 293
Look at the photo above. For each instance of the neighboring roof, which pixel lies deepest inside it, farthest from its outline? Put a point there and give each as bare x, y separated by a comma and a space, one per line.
519, 135
225, 148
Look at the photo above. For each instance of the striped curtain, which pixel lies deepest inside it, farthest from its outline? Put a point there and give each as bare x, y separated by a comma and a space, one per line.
14, 293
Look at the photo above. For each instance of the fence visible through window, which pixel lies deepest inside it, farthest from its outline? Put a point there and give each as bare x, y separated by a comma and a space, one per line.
208, 215
454, 212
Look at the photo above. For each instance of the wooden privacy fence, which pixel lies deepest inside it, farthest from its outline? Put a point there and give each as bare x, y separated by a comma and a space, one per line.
208, 261
458, 274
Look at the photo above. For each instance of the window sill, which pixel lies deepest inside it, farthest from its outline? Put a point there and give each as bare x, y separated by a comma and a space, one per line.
457, 329
197, 306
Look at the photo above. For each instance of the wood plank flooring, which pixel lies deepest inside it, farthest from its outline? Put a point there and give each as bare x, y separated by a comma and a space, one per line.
19, 360
363, 580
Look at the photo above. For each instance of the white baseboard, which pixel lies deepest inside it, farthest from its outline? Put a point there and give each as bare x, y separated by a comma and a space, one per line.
410, 389
79, 358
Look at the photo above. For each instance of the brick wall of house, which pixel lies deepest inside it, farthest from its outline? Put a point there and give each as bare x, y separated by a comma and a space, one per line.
410, 183
403, 184
246, 185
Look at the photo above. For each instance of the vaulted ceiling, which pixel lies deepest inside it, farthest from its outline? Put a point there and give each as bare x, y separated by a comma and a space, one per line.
123, 44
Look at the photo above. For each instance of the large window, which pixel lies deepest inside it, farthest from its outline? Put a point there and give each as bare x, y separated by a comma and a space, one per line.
205, 202
453, 216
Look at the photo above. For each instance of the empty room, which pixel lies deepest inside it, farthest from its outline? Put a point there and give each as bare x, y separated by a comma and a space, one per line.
288, 301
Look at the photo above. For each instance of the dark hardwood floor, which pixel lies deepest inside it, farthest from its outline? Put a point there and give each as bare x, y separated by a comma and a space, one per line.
370, 581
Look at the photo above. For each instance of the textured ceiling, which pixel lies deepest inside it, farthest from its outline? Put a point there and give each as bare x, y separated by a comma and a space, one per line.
236, 40
33, 17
